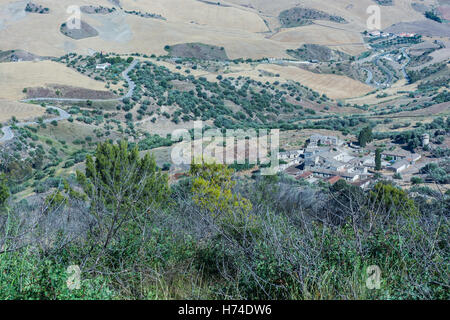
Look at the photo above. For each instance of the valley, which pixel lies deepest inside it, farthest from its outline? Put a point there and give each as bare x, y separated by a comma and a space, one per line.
241, 149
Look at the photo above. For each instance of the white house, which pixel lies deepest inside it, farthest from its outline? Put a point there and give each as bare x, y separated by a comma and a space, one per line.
103, 66
400, 166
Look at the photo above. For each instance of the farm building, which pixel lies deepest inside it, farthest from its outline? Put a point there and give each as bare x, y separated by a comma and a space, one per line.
103, 66
400, 166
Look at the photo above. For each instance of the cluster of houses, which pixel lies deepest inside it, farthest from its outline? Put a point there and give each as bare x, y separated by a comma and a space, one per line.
331, 159
381, 34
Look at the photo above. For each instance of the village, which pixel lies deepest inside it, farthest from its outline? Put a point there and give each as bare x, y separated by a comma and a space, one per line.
381, 34
330, 159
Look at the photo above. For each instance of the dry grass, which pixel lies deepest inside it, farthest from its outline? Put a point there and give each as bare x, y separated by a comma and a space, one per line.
437, 109
21, 111
327, 34
19, 75
238, 27
352, 11
438, 56
196, 12
356, 11
334, 86
241, 30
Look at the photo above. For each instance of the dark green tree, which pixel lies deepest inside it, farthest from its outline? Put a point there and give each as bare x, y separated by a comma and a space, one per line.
432, 16
378, 159
4, 190
365, 136
393, 199
119, 175
122, 187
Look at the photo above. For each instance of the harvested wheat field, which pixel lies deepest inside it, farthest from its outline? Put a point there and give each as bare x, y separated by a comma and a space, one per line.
352, 11
22, 111
124, 33
334, 86
15, 76
348, 41
356, 11
201, 13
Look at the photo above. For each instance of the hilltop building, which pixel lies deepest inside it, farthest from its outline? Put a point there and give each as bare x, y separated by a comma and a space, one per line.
328, 159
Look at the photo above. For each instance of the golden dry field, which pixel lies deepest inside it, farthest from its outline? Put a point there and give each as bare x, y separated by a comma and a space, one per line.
353, 11
200, 13
245, 28
240, 26
348, 41
22, 111
124, 33
15, 76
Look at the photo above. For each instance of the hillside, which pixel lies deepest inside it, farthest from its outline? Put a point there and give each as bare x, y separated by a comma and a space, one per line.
248, 150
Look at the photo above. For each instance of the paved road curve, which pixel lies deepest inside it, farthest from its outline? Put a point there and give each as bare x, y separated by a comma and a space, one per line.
369, 76
8, 133
408, 60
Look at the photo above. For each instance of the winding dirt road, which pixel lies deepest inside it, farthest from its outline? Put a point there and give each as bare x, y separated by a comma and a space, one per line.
8, 133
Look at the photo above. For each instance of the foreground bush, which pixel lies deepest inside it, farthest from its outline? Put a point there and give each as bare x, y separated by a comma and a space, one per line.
289, 242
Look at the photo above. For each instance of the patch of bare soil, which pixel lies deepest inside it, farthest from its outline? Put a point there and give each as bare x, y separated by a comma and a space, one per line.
86, 31
197, 50
68, 92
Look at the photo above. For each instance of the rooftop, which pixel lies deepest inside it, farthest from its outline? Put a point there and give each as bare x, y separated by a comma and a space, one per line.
400, 164
334, 179
304, 175
397, 153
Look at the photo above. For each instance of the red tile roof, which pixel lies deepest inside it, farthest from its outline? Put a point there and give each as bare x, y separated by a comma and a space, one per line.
304, 175
334, 179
